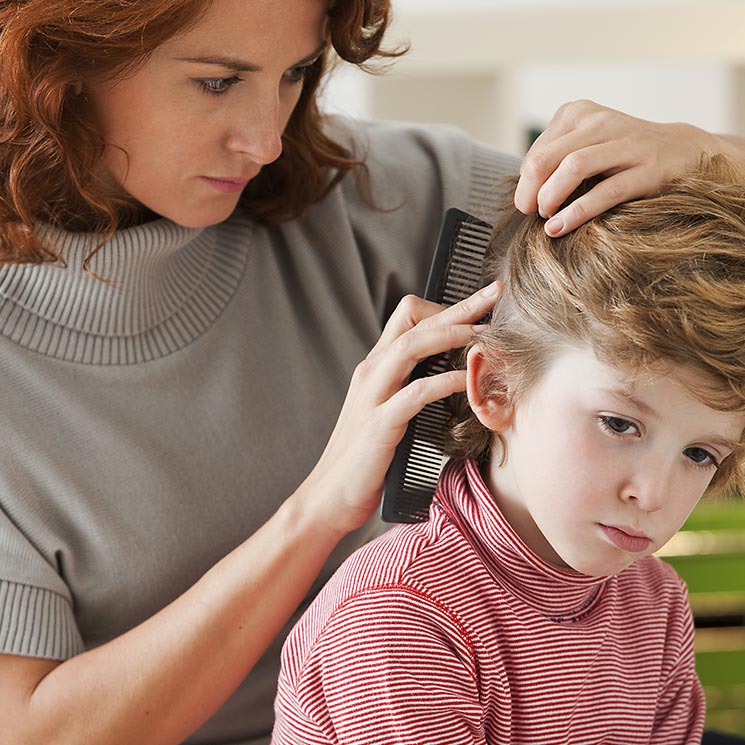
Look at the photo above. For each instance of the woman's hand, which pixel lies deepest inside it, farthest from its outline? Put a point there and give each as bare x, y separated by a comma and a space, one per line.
636, 157
348, 480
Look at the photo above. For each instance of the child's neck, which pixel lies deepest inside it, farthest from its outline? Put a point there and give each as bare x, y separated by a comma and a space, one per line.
506, 492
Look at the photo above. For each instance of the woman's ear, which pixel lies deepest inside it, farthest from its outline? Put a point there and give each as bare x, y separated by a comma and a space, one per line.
487, 398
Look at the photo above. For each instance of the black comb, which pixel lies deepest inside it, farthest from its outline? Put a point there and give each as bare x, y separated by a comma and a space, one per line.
456, 273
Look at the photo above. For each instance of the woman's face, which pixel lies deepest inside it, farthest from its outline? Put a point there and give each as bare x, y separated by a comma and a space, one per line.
199, 120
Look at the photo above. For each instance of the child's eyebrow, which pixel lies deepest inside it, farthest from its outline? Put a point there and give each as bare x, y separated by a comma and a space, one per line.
722, 442
625, 396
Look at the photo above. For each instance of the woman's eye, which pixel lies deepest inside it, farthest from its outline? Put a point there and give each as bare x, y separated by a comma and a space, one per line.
617, 425
700, 457
216, 86
297, 74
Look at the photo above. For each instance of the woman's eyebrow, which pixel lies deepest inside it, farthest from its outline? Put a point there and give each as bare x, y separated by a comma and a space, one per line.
240, 66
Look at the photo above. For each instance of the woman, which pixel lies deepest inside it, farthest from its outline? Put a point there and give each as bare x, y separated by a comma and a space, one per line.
194, 263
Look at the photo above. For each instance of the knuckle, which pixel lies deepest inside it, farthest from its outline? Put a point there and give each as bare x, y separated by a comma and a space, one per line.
601, 120
585, 105
567, 111
363, 370
562, 110
612, 190
455, 334
470, 307
402, 346
579, 212
409, 305
416, 391
534, 165
571, 111
576, 164
587, 113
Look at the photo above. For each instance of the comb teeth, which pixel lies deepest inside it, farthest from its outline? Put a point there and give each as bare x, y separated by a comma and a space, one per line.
463, 274
455, 274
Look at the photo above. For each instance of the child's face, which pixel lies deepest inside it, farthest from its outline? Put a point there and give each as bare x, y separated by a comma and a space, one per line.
601, 469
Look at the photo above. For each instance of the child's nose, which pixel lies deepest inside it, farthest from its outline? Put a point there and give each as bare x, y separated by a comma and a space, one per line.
649, 489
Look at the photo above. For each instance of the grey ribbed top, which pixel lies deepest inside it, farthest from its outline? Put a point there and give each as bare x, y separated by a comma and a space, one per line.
152, 424
168, 284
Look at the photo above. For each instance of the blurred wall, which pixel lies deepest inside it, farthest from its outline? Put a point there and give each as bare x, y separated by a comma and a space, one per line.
500, 68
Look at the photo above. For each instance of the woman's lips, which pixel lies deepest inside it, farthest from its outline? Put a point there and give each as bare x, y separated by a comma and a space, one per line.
227, 185
628, 541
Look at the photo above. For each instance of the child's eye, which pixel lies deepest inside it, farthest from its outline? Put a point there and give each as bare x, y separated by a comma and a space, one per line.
700, 457
217, 86
617, 425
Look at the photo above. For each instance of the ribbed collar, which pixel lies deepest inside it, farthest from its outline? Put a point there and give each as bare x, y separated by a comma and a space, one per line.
559, 594
167, 284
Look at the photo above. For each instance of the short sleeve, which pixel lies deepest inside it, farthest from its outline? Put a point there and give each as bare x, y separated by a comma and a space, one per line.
36, 608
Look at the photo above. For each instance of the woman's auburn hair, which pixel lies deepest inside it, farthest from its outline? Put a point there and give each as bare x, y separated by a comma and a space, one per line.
50, 145
654, 284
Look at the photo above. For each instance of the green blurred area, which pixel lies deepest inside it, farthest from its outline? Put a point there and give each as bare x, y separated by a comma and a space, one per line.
709, 553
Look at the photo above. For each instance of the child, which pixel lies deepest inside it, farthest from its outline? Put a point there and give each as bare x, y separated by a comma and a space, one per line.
607, 394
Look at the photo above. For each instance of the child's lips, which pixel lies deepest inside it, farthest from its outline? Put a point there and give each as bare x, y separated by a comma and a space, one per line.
626, 538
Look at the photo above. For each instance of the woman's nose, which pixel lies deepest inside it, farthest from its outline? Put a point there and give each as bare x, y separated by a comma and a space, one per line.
258, 134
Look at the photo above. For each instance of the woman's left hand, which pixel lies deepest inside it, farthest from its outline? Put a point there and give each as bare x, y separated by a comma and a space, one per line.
637, 158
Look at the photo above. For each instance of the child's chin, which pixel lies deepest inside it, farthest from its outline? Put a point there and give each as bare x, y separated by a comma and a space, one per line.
595, 567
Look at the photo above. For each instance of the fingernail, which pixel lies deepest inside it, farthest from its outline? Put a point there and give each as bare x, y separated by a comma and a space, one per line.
480, 327
554, 225
491, 290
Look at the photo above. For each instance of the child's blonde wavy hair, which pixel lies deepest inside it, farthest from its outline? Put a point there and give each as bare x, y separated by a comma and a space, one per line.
660, 279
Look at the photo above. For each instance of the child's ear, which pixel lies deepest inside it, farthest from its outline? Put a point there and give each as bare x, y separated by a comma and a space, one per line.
488, 399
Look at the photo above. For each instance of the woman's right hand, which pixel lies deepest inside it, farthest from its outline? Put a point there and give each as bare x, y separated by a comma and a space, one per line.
348, 480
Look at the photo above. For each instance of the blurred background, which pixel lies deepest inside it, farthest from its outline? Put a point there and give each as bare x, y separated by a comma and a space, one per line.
499, 69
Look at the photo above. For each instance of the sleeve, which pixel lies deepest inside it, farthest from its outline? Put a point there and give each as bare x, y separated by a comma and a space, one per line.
413, 174
36, 608
681, 707
390, 667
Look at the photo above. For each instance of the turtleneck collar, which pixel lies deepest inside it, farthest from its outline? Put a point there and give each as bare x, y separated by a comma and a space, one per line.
165, 285
562, 595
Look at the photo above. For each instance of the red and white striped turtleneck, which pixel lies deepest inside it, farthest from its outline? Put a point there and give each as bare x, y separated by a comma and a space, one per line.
454, 632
